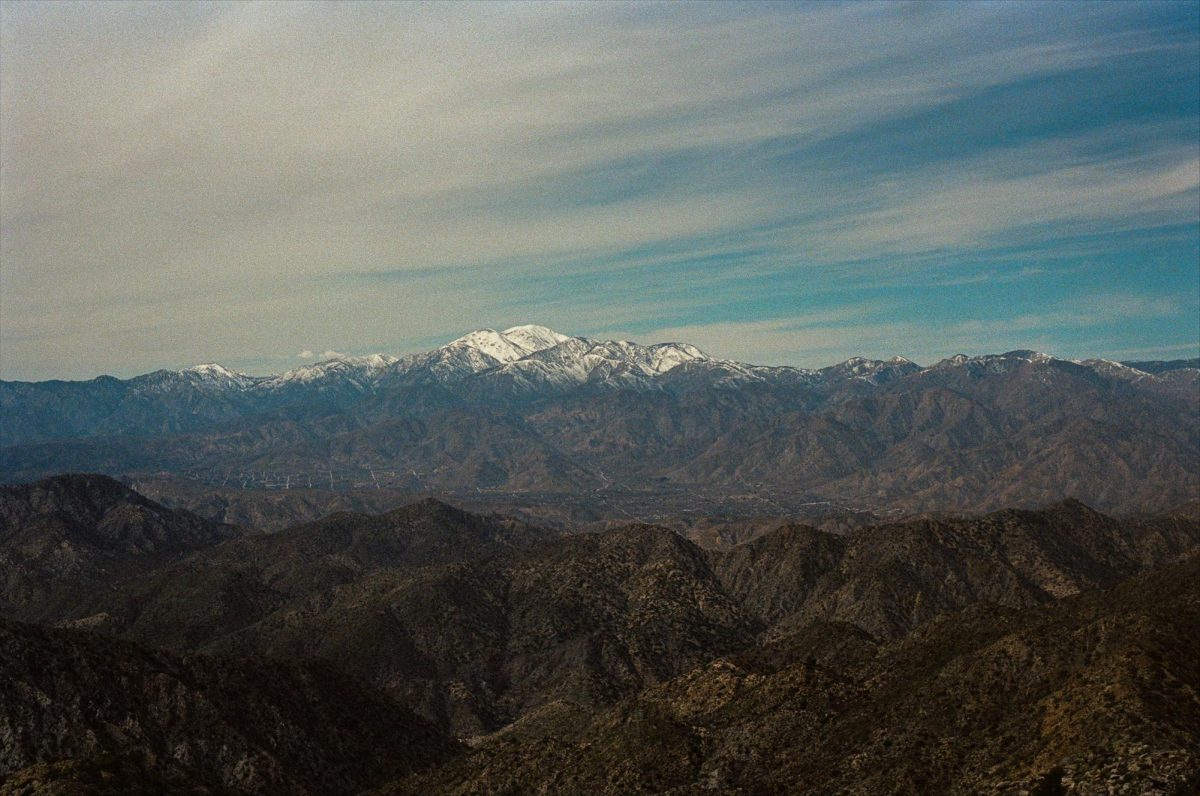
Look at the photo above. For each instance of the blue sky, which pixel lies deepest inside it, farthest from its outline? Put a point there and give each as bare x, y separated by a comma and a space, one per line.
777, 183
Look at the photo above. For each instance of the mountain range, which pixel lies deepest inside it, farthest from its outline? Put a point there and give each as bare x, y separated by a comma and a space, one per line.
431, 650
532, 411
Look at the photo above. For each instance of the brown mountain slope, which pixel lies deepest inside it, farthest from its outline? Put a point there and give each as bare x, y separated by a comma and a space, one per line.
471, 644
71, 535
1092, 694
155, 719
477, 622
630, 660
268, 510
1015, 429
888, 579
1022, 433
191, 602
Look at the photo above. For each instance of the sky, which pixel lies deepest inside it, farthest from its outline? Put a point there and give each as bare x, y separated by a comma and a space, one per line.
253, 184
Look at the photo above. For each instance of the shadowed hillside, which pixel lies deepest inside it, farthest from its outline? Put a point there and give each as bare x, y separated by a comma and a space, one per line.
627, 660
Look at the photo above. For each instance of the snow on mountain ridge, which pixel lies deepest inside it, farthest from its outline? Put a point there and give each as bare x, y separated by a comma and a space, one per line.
533, 338
529, 358
362, 367
665, 356
490, 342
574, 361
875, 371
216, 376
212, 369
511, 344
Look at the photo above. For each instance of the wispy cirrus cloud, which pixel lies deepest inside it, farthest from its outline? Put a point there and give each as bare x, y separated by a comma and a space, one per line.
819, 338
212, 181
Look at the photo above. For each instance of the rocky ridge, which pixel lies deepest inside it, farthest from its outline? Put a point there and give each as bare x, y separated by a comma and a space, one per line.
989, 653
529, 410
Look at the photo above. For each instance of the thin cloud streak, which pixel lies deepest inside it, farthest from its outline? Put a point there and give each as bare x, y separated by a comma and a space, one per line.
215, 181
821, 338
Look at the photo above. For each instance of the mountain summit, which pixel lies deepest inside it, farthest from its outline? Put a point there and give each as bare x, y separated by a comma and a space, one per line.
530, 356
532, 338
529, 409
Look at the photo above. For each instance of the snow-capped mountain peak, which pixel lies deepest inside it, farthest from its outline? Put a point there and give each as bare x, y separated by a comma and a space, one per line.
212, 370
874, 371
665, 356
531, 363
534, 360
996, 363
490, 342
511, 344
533, 338
214, 376
358, 368
575, 361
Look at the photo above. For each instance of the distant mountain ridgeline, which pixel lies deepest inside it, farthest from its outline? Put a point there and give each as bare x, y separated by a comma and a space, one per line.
532, 410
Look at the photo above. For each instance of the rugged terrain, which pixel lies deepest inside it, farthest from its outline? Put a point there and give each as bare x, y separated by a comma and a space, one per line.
244, 725
634, 428
70, 536
1020, 649
1093, 694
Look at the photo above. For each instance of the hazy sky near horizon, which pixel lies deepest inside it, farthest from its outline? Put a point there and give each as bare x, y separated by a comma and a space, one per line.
777, 183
